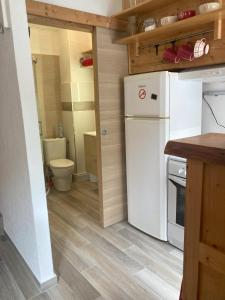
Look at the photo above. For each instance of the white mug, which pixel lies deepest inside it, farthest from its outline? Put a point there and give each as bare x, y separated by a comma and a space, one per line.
168, 20
201, 48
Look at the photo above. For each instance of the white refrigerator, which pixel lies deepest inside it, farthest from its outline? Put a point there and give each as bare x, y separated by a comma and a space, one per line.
158, 107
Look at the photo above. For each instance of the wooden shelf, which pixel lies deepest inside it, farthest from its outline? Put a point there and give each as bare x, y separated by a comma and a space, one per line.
142, 8
87, 52
180, 28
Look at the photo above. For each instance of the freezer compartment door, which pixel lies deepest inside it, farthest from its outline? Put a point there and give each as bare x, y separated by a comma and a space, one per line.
147, 95
146, 175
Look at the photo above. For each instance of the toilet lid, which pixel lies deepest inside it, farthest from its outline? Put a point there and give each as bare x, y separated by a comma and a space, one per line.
61, 163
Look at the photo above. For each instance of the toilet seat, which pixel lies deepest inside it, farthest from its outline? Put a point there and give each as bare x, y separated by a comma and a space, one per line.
61, 163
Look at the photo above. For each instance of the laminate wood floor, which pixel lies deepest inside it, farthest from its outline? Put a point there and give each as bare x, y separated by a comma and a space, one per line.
86, 196
117, 263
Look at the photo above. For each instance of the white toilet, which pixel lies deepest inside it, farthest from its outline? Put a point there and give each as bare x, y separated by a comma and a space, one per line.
55, 158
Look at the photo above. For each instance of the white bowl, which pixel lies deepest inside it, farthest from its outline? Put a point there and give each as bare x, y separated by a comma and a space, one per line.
151, 27
168, 20
207, 7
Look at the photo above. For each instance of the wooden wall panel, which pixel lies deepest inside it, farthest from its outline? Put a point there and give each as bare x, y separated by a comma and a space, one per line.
111, 67
70, 17
204, 259
214, 200
126, 3
149, 61
211, 284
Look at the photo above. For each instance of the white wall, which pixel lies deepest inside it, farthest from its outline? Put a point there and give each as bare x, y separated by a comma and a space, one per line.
77, 85
44, 40
213, 80
82, 80
66, 93
218, 105
22, 190
100, 7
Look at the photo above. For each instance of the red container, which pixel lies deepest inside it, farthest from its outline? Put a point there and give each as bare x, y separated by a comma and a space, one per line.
170, 55
87, 62
186, 52
185, 14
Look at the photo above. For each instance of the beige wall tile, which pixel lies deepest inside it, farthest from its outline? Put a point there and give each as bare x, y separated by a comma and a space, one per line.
53, 118
65, 65
66, 95
86, 74
44, 40
69, 133
75, 91
84, 121
48, 93
86, 91
83, 106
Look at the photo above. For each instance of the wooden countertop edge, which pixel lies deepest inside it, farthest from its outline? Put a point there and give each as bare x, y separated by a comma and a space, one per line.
211, 153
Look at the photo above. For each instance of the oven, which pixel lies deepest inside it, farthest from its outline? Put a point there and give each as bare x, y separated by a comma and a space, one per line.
177, 170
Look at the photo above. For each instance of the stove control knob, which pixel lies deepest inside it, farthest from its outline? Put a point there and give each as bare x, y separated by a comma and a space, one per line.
182, 172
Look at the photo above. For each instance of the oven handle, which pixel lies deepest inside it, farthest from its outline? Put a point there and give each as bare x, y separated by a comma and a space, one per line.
177, 180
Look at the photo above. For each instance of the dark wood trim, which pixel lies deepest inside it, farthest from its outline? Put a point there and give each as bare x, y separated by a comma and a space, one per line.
206, 148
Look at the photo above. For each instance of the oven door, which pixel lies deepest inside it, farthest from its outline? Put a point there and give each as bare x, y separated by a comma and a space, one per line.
176, 200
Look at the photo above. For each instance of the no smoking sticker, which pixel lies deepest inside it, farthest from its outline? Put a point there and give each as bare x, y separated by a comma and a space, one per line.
142, 94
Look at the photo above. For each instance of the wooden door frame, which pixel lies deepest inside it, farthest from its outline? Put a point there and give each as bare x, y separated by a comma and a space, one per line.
39, 19
98, 129
53, 15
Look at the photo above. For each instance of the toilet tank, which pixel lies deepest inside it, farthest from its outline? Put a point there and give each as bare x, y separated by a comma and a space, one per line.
54, 149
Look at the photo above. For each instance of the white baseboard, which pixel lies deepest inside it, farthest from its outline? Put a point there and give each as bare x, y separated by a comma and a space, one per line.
42, 286
48, 284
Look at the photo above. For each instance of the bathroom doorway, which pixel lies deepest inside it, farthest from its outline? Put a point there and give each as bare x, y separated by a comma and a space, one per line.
64, 81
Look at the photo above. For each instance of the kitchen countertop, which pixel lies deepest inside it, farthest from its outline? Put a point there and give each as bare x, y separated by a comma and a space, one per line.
207, 148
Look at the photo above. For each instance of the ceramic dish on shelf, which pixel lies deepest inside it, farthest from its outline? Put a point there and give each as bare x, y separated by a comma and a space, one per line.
185, 14
186, 52
207, 7
149, 24
201, 48
151, 27
168, 20
170, 55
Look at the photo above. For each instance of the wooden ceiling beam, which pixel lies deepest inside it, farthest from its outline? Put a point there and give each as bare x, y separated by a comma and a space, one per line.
59, 24
58, 13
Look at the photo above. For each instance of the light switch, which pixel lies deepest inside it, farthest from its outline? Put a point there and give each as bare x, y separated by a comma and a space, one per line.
104, 131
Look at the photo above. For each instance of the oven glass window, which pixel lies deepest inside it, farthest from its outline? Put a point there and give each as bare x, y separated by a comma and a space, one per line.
180, 201
180, 205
